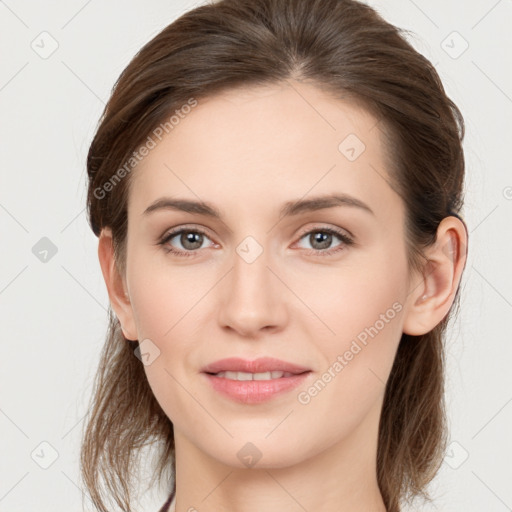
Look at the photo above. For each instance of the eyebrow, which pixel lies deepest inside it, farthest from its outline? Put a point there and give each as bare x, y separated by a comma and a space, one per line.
289, 208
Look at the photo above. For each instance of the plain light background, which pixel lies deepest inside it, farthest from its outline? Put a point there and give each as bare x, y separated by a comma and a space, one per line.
53, 305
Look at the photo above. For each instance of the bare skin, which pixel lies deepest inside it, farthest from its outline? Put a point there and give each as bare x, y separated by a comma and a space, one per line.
247, 153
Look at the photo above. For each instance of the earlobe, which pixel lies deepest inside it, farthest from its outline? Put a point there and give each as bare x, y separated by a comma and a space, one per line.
116, 287
432, 295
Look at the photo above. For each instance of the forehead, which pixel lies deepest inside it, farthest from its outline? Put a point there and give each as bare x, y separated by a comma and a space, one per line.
272, 142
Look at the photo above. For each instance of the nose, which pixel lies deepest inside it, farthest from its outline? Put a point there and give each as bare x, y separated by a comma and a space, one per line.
252, 298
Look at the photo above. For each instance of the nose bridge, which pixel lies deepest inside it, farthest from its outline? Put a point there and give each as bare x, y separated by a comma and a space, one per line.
252, 300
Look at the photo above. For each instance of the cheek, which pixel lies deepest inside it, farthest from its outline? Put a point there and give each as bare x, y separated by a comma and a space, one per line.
356, 296
362, 317
167, 303
164, 296
163, 306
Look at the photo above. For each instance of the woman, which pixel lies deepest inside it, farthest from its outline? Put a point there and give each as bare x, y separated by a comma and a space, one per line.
276, 186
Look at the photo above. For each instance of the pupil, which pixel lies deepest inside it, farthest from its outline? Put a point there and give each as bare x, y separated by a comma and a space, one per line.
191, 238
323, 239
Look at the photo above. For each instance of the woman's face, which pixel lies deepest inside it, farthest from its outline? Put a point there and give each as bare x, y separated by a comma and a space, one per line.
325, 289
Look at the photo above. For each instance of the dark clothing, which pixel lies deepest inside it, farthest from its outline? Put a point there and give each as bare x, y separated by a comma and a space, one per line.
167, 504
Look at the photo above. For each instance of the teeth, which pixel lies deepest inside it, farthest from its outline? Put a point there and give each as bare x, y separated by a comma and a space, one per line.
253, 376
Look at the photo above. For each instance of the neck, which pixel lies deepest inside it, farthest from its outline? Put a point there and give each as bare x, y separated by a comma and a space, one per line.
339, 479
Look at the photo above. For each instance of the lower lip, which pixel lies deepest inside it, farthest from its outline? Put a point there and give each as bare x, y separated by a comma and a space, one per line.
255, 391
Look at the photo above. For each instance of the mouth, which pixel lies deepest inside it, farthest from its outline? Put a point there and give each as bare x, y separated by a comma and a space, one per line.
241, 376
262, 365
253, 382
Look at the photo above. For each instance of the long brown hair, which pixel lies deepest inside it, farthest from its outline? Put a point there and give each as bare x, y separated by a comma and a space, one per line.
346, 48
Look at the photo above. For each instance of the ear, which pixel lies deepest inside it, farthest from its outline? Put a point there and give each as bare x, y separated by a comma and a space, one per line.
116, 285
429, 301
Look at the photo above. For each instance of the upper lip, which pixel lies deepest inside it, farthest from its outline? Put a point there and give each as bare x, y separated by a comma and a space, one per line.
261, 365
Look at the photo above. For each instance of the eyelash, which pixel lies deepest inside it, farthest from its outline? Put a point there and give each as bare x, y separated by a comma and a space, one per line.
347, 241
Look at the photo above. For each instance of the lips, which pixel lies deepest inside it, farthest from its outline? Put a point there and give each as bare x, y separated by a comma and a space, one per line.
254, 382
261, 365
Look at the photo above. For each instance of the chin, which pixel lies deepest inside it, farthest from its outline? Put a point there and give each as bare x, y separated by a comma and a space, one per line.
254, 454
